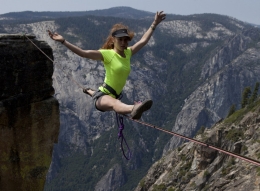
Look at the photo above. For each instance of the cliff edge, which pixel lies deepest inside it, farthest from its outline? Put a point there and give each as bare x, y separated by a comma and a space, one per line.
29, 114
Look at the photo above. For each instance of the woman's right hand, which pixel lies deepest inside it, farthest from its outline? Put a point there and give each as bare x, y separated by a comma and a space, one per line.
55, 36
159, 17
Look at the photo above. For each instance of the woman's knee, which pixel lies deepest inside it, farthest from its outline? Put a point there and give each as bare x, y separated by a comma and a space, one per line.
106, 103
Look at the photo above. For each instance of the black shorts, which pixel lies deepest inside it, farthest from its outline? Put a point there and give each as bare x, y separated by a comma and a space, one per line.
95, 97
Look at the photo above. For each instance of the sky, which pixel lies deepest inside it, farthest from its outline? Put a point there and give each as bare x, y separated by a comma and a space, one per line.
244, 10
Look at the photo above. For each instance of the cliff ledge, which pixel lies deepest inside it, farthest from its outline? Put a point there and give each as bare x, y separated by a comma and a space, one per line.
29, 114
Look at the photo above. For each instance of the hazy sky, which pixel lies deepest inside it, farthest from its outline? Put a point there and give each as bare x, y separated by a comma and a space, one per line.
244, 10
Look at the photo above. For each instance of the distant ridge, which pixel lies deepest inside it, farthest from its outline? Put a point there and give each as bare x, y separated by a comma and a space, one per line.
123, 12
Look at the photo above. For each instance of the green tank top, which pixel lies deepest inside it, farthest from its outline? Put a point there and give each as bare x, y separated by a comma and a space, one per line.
117, 69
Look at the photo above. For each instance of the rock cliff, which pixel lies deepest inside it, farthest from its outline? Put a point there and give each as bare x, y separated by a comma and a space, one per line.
195, 167
225, 73
29, 114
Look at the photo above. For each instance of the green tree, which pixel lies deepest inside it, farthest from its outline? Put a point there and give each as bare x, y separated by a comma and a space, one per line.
245, 97
254, 94
232, 110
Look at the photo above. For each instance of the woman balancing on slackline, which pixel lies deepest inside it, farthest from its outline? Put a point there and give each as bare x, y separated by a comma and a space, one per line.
115, 55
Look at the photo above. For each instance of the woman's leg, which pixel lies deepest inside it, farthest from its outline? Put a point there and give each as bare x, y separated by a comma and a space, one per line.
89, 91
108, 103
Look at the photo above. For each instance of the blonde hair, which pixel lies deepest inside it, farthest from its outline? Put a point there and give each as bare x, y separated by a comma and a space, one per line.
109, 41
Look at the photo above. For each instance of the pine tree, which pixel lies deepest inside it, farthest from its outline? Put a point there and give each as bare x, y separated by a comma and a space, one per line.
245, 97
255, 93
231, 110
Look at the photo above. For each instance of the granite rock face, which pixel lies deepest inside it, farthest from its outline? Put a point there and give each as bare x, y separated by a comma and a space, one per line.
231, 68
29, 114
112, 179
225, 74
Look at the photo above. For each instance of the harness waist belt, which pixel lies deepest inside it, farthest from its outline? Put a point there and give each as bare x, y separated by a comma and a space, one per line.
111, 90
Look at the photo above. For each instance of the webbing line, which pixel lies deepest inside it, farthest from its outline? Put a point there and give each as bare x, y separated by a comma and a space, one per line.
247, 159
80, 86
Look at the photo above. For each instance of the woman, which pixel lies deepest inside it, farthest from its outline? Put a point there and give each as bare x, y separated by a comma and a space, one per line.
115, 55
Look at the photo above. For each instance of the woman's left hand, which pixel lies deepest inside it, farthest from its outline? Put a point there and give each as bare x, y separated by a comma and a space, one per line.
159, 16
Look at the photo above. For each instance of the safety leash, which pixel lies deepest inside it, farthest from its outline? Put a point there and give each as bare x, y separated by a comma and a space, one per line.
120, 124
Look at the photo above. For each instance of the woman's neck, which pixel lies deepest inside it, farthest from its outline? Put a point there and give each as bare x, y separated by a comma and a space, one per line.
120, 52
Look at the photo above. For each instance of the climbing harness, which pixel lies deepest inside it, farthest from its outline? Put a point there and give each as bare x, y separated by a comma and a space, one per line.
121, 127
111, 90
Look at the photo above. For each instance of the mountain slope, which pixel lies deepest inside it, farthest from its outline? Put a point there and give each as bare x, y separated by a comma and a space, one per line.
232, 67
195, 167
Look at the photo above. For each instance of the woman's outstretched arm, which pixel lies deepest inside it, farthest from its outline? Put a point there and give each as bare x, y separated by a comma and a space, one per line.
159, 16
91, 54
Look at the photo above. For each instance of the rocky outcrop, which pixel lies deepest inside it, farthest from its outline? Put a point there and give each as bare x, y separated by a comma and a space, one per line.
195, 167
113, 179
29, 114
